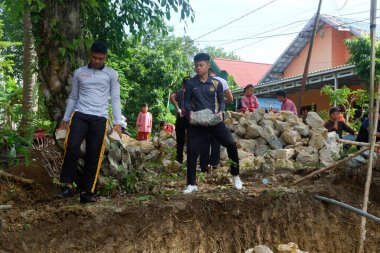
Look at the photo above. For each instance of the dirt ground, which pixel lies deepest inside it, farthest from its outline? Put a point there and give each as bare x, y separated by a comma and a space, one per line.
218, 219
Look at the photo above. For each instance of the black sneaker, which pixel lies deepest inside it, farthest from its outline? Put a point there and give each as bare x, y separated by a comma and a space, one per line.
67, 192
87, 198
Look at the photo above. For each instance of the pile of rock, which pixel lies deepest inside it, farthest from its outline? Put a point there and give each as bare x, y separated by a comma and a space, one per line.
282, 140
122, 155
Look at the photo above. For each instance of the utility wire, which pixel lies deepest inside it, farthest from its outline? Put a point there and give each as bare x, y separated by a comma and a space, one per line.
285, 34
237, 19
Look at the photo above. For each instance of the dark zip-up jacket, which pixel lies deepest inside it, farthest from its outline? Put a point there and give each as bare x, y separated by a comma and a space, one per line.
200, 96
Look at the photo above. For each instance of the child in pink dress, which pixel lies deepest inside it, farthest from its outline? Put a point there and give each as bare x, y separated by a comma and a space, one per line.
144, 123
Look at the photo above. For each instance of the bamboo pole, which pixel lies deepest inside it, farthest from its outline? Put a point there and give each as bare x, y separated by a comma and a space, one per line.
16, 178
356, 143
317, 172
373, 120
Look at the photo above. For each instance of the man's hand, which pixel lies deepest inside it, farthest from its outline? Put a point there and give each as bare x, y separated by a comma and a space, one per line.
64, 126
117, 129
191, 115
220, 114
180, 113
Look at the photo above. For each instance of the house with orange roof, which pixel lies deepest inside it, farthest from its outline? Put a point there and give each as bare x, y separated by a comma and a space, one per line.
328, 63
243, 72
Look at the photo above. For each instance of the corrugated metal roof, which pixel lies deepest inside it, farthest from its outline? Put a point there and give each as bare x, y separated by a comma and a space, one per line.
356, 27
243, 72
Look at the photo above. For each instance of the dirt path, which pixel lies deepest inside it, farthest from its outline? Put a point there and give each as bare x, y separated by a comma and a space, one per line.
217, 220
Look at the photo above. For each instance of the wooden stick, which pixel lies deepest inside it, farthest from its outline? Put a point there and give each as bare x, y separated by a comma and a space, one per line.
317, 172
5, 207
16, 178
356, 143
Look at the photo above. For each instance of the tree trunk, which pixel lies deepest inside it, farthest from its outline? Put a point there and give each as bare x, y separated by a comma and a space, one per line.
28, 79
59, 51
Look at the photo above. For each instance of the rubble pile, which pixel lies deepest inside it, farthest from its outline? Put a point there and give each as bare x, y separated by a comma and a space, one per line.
282, 140
125, 154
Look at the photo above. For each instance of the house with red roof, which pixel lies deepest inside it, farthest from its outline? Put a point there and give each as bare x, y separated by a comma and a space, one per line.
328, 64
243, 72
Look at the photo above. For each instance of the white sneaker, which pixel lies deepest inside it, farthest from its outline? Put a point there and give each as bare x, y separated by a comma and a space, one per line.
238, 184
190, 188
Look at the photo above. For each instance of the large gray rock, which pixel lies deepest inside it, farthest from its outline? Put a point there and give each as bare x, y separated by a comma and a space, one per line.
261, 141
236, 115
243, 122
302, 129
329, 154
284, 164
280, 125
246, 145
314, 121
262, 249
291, 137
266, 123
317, 141
322, 131
270, 136
253, 131
146, 147
243, 154
306, 160
168, 143
257, 115
240, 130
261, 150
285, 153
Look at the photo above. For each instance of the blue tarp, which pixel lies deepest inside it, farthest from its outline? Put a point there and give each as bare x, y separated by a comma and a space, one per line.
269, 102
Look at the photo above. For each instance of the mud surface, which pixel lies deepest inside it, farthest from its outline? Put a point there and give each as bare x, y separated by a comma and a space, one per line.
219, 219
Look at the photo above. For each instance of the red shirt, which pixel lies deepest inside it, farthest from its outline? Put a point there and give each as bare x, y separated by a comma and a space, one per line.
250, 102
288, 105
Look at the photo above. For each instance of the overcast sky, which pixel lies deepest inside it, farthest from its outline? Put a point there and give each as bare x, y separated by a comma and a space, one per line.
264, 23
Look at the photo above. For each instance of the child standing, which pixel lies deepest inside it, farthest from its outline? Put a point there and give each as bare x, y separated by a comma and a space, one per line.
144, 123
249, 101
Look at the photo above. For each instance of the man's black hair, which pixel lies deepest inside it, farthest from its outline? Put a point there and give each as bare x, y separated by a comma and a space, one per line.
248, 87
333, 109
281, 93
99, 47
144, 105
210, 70
162, 123
202, 57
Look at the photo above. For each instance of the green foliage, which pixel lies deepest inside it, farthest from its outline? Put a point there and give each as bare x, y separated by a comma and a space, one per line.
360, 51
220, 53
347, 98
109, 20
153, 70
110, 186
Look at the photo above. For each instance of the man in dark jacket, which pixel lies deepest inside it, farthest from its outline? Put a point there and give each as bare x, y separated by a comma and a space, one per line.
205, 92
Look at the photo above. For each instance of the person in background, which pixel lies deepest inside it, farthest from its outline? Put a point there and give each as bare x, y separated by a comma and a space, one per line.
166, 129
363, 135
182, 123
287, 104
144, 123
334, 124
93, 87
228, 97
249, 101
205, 92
